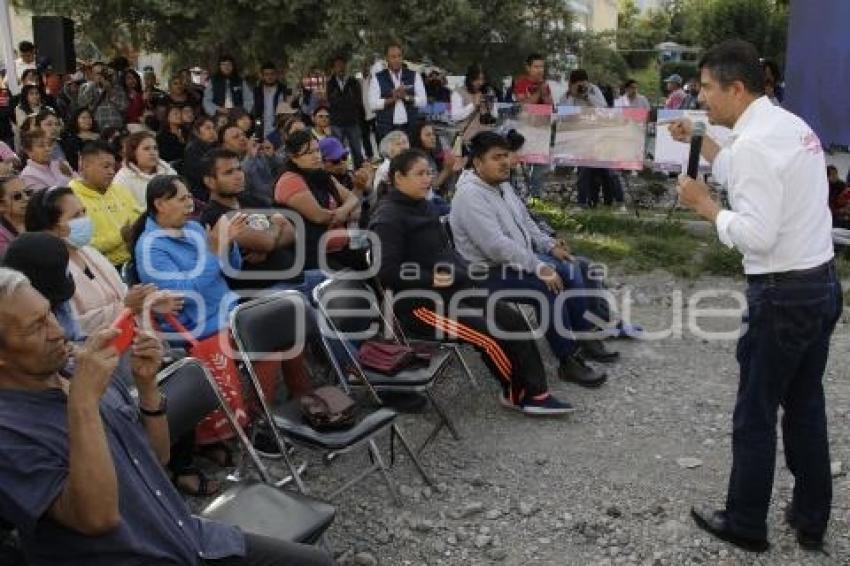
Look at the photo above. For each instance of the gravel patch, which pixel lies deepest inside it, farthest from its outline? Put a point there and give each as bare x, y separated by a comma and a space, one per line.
611, 484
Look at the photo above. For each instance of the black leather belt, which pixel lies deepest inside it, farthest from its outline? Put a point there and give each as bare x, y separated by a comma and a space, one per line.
823, 269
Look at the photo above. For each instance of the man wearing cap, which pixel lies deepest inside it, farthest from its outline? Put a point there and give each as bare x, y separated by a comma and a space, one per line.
676, 94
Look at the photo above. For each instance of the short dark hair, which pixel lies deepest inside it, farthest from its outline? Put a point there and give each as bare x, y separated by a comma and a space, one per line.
515, 140
483, 142
268, 65
578, 75
43, 211
26, 46
532, 57
393, 43
735, 60
832, 168
340, 57
96, 147
296, 141
212, 157
403, 162
629, 83
227, 126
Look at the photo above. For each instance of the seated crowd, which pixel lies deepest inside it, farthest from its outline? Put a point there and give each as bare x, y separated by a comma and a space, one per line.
215, 196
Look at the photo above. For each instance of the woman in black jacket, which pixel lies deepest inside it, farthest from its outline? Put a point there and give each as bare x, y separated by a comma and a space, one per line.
418, 263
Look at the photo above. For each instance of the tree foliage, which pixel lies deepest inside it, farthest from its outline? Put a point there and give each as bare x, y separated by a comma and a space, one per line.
603, 64
637, 35
764, 23
451, 33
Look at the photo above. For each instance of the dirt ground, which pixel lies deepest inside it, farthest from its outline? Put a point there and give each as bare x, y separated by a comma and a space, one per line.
611, 484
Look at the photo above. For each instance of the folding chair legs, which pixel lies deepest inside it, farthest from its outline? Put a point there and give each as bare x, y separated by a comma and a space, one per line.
459, 356
378, 465
385, 471
283, 482
444, 422
395, 431
443, 415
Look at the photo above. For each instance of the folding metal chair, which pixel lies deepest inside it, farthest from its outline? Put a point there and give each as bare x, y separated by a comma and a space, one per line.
350, 307
395, 328
256, 507
268, 325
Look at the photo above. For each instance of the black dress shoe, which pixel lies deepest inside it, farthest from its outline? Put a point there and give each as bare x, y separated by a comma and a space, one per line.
808, 541
715, 522
576, 371
595, 351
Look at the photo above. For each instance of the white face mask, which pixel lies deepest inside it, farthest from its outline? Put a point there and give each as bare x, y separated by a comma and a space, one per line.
81, 230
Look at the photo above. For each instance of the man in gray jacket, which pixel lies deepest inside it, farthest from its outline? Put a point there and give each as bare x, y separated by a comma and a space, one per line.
491, 226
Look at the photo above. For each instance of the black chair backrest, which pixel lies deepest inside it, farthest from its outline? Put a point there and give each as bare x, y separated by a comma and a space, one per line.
270, 324
190, 397
351, 306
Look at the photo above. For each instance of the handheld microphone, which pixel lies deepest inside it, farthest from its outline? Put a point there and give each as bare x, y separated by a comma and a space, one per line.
696, 148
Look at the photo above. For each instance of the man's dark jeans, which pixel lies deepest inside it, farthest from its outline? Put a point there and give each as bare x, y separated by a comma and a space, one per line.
352, 136
783, 355
568, 319
589, 181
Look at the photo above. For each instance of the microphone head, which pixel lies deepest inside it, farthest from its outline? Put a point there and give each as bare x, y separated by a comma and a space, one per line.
698, 129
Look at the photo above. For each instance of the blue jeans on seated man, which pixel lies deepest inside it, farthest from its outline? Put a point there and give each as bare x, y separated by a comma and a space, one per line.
782, 355
568, 319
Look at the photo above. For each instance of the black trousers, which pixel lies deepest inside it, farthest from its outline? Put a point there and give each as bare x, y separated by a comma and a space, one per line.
265, 551
783, 355
515, 362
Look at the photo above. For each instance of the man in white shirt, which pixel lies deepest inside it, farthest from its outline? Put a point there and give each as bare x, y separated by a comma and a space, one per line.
631, 98
395, 94
773, 168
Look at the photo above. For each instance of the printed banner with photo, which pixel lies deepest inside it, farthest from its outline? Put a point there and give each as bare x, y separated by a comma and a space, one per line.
672, 156
534, 122
610, 138
438, 112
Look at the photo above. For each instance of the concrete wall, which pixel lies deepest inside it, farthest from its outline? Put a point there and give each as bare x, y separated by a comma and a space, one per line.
604, 16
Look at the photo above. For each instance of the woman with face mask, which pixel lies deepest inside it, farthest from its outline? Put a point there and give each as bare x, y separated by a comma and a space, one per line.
100, 294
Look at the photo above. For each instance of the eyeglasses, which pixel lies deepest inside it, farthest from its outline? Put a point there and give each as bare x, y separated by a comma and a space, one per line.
307, 152
24, 194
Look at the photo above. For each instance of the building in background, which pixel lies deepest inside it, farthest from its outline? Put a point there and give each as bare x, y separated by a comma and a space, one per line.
594, 15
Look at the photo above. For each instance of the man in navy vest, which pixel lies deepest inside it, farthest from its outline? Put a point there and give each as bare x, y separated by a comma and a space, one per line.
394, 94
227, 90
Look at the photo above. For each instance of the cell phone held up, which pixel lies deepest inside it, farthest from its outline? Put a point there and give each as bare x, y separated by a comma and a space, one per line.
126, 324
